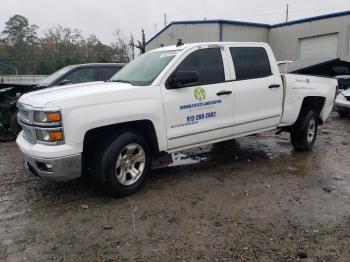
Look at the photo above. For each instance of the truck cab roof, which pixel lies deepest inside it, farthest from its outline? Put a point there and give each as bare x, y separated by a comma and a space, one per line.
206, 44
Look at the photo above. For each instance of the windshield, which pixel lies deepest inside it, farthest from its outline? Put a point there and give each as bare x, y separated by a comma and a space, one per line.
145, 68
48, 81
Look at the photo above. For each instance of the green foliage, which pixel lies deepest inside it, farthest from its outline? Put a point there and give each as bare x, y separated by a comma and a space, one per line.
18, 31
142, 44
20, 47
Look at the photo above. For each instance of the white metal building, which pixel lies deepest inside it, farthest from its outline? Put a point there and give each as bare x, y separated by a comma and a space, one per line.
321, 36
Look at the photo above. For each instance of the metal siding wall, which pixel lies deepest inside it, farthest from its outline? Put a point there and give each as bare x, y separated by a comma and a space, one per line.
189, 33
243, 33
285, 40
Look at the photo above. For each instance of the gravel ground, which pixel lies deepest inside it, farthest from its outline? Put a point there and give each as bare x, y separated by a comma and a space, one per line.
253, 199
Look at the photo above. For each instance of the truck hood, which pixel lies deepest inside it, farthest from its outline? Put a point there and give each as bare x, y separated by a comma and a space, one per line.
77, 94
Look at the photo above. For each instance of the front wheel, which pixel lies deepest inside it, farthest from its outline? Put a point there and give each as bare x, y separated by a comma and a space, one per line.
123, 164
304, 131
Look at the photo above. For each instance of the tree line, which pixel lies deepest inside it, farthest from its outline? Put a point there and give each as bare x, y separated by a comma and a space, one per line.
24, 52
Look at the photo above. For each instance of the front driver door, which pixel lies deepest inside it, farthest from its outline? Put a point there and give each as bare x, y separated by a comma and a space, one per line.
201, 112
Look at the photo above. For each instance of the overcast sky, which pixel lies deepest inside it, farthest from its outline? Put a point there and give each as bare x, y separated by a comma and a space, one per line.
102, 17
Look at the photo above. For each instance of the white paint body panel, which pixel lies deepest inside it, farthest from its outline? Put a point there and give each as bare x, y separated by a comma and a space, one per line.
297, 87
88, 106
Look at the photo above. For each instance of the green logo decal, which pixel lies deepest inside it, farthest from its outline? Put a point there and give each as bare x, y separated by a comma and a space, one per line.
199, 93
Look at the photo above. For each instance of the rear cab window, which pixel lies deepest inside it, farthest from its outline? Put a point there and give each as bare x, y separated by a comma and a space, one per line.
250, 62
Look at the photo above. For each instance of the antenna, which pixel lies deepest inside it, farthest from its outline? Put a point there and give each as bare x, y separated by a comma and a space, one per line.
165, 22
287, 13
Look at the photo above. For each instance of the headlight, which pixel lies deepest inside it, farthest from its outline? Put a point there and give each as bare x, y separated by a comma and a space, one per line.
43, 117
49, 135
341, 97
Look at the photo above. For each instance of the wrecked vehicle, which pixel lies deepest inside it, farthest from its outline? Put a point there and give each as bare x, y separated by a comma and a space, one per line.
342, 103
343, 82
167, 100
9, 93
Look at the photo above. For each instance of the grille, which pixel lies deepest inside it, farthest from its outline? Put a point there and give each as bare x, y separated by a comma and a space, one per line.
24, 115
28, 133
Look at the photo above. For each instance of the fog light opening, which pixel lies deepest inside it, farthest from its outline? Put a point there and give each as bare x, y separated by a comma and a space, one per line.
46, 167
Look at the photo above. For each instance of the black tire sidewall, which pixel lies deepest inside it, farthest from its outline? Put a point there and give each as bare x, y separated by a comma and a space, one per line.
299, 131
109, 158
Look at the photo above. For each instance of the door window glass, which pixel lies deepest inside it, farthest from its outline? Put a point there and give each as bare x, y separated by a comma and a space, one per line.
108, 72
250, 62
82, 75
207, 63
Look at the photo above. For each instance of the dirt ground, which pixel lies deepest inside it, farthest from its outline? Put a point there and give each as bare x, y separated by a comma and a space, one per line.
253, 199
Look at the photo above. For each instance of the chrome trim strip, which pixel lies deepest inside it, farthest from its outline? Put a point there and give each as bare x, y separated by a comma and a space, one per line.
219, 128
50, 124
35, 138
30, 128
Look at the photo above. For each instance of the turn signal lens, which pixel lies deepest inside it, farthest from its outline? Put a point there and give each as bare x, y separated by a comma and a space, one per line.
47, 135
54, 117
56, 136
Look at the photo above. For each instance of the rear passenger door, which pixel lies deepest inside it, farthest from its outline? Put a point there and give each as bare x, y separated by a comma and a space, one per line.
258, 92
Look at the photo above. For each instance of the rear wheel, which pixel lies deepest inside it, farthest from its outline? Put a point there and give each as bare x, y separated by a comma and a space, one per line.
123, 163
304, 131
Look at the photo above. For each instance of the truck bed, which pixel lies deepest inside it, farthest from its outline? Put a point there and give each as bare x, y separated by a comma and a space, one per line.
297, 87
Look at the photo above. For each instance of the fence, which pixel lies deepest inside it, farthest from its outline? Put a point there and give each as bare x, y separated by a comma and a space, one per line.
21, 79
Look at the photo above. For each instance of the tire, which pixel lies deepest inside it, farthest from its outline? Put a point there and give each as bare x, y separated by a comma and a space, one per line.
119, 166
14, 126
304, 131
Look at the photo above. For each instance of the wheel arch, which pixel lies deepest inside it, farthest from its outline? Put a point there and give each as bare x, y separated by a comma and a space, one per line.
314, 103
144, 128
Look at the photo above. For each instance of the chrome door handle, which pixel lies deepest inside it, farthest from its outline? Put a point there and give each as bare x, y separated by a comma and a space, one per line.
224, 92
274, 86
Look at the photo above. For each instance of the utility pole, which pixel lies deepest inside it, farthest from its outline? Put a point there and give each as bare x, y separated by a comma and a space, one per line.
165, 22
287, 13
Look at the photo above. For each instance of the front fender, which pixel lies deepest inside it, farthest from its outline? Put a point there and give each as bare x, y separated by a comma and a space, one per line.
79, 121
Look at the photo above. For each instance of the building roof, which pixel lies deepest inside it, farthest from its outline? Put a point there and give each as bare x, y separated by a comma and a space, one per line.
232, 22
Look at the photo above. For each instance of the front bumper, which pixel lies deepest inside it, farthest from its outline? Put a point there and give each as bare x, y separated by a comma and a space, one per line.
57, 163
56, 169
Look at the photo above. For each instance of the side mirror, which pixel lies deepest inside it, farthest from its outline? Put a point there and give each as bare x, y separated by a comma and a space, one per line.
64, 82
183, 78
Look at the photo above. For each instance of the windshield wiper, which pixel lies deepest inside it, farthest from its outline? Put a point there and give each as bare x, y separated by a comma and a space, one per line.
120, 81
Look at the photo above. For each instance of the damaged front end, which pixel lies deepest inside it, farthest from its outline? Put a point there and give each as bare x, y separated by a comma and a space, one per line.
9, 94
7, 107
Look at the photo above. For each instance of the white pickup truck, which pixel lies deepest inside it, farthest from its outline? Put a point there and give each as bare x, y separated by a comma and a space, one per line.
167, 100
